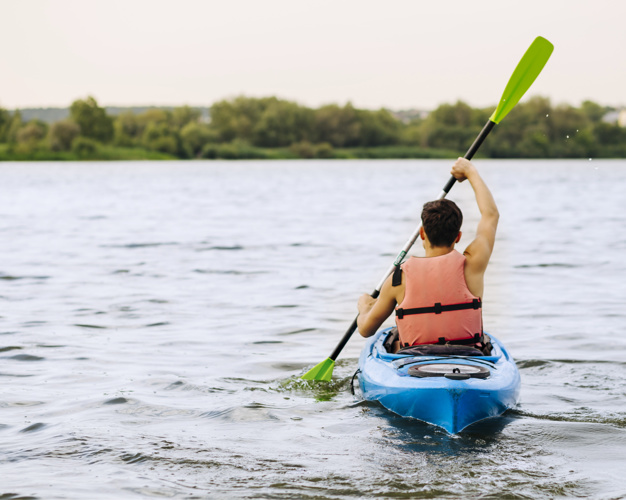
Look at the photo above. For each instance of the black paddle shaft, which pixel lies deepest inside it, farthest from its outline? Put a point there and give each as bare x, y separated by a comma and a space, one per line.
469, 155
472, 150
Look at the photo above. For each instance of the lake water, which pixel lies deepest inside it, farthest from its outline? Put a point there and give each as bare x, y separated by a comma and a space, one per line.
155, 318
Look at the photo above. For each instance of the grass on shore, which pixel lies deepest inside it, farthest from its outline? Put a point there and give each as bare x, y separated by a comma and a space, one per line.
230, 151
103, 153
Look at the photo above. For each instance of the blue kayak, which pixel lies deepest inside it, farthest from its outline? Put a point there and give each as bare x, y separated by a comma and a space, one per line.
450, 391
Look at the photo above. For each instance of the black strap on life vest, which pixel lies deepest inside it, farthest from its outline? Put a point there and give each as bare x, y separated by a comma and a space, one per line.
438, 308
396, 279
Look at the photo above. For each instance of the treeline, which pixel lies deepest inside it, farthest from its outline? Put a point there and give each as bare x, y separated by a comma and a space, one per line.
273, 128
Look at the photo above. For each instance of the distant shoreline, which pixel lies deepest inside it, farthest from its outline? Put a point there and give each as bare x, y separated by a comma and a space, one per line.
136, 154
269, 128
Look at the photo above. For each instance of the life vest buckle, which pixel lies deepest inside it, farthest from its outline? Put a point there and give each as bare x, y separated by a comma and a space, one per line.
438, 308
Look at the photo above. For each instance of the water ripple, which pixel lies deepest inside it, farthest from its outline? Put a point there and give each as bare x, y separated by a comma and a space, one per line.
160, 341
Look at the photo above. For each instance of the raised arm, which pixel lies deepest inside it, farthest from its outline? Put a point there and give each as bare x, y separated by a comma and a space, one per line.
479, 251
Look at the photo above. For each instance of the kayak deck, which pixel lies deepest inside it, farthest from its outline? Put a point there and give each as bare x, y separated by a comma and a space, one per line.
452, 400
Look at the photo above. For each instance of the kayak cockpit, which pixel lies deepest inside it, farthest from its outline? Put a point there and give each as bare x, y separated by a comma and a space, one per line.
383, 344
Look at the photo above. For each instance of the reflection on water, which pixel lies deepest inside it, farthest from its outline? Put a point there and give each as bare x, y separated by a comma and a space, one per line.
156, 317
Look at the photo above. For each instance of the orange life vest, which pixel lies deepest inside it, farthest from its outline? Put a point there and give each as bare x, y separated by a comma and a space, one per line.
437, 306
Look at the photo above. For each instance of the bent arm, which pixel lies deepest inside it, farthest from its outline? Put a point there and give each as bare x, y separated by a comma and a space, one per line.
373, 312
478, 251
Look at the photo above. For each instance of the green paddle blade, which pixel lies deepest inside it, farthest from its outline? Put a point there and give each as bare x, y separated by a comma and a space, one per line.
523, 77
322, 371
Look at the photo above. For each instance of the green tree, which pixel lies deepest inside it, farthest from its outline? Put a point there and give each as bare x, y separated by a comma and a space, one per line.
508, 141
610, 139
160, 116
5, 121
337, 126
93, 120
534, 143
127, 129
160, 137
452, 126
194, 136
283, 123
30, 136
183, 116
566, 121
411, 134
378, 128
85, 147
237, 119
62, 134
13, 127
459, 114
594, 112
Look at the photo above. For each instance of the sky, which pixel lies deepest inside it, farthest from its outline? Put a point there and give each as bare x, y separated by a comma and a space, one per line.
397, 54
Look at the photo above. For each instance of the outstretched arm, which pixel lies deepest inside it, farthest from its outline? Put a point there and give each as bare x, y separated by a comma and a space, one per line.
478, 251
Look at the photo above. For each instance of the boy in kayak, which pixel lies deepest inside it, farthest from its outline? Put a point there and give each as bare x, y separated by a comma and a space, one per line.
438, 298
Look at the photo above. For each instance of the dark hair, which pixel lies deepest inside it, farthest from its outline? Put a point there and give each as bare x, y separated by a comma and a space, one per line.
442, 221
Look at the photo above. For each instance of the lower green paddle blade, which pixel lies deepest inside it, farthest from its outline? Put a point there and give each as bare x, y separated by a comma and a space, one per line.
322, 371
525, 74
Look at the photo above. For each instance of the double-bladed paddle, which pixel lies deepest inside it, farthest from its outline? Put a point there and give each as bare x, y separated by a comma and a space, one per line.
525, 73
